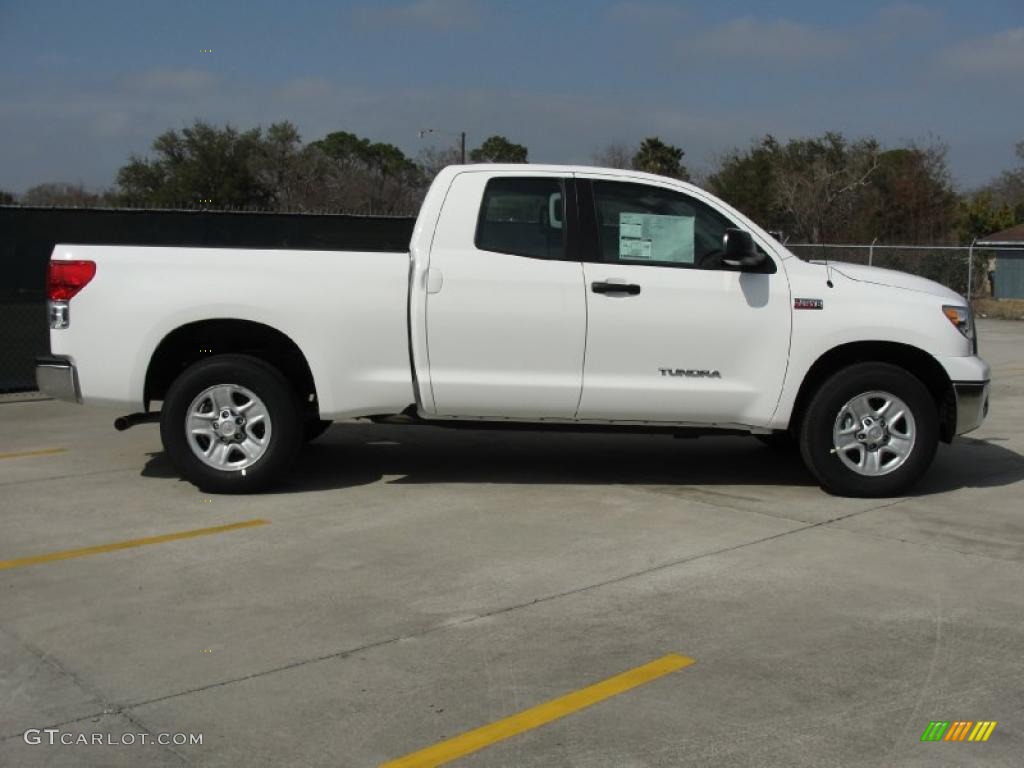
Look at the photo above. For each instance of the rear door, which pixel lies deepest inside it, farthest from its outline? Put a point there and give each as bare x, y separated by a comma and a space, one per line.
673, 333
505, 306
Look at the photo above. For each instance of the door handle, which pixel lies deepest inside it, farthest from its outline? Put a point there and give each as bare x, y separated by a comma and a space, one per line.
631, 289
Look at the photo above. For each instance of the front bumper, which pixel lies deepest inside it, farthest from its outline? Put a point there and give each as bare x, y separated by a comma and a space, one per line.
971, 404
56, 376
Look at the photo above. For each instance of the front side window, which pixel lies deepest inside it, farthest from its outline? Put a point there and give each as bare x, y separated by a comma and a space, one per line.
640, 224
522, 217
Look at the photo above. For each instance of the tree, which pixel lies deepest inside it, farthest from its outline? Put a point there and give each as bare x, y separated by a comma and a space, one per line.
746, 180
655, 156
432, 160
371, 176
615, 155
811, 189
819, 181
1008, 188
980, 215
909, 198
201, 165
498, 149
6, 198
61, 193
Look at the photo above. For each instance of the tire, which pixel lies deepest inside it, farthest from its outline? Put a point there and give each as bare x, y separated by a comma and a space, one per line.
240, 457
883, 459
313, 428
780, 440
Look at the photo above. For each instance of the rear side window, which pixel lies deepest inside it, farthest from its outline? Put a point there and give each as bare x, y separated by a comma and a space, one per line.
522, 217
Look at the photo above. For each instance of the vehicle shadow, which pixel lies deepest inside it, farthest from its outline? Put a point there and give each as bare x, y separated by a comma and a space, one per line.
350, 455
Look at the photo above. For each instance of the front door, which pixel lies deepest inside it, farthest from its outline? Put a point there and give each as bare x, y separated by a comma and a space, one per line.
673, 333
506, 308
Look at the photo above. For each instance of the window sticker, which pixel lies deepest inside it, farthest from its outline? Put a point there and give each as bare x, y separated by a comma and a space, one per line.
651, 237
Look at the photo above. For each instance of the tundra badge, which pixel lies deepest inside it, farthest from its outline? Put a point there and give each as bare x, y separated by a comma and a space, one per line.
691, 373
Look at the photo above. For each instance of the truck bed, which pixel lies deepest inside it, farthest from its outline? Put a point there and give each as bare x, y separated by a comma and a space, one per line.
346, 311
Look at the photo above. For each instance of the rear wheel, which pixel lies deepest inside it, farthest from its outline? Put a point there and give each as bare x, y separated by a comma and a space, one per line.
231, 424
871, 430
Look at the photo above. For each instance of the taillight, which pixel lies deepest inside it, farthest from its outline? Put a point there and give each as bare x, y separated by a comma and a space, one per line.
66, 278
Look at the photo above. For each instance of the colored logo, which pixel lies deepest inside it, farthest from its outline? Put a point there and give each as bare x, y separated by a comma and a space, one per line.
808, 304
958, 730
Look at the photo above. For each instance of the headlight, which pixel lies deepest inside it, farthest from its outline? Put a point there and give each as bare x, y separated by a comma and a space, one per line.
960, 317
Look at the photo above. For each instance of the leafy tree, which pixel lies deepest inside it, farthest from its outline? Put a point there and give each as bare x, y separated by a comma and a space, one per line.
909, 198
819, 182
498, 149
6, 198
811, 189
980, 215
1008, 188
655, 156
362, 175
747, 181
201, 165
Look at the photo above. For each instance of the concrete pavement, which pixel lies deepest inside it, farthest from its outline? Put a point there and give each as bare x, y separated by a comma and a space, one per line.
416, 583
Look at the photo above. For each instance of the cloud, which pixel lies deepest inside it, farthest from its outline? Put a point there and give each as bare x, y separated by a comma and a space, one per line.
998, 54
768, 42
432, 14
908, 17
183, 82
645, 12
303, 89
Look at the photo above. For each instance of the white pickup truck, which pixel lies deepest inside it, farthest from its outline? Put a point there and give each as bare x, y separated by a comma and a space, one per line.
550, 296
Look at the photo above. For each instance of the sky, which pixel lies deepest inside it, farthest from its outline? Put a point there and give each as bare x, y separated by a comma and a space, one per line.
84, 85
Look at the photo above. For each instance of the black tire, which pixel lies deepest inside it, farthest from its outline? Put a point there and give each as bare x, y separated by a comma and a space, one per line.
281, 403
780, 440
816, 430
313, 428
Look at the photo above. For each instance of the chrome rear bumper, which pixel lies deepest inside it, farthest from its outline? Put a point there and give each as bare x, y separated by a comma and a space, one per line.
971, 404
57, 377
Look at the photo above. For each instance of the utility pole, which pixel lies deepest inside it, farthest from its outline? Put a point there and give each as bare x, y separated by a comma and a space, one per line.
461, 135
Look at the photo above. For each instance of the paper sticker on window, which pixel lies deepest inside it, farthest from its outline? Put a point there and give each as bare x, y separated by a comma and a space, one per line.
650, 237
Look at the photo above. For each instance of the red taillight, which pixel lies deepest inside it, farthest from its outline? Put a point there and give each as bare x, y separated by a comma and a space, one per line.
66, 278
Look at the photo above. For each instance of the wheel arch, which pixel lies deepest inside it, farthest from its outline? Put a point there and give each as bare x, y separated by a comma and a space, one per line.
194, 341
910, 358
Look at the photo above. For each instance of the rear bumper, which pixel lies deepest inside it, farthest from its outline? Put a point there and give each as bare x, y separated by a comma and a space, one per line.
56, 376
971, 404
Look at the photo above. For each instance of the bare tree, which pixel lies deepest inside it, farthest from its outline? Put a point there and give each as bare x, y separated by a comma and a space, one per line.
61, 193
818, 181
432, 160
618, 154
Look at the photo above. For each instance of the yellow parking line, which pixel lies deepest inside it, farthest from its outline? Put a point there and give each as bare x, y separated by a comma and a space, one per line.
472, 741
22, 454
67, 554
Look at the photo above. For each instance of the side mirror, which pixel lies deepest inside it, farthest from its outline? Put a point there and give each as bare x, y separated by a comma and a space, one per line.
740, 251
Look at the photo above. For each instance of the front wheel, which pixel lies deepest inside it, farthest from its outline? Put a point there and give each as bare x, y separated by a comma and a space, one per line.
871, 430
231, 424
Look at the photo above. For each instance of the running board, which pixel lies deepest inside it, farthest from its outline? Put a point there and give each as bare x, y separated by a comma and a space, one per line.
410, 418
